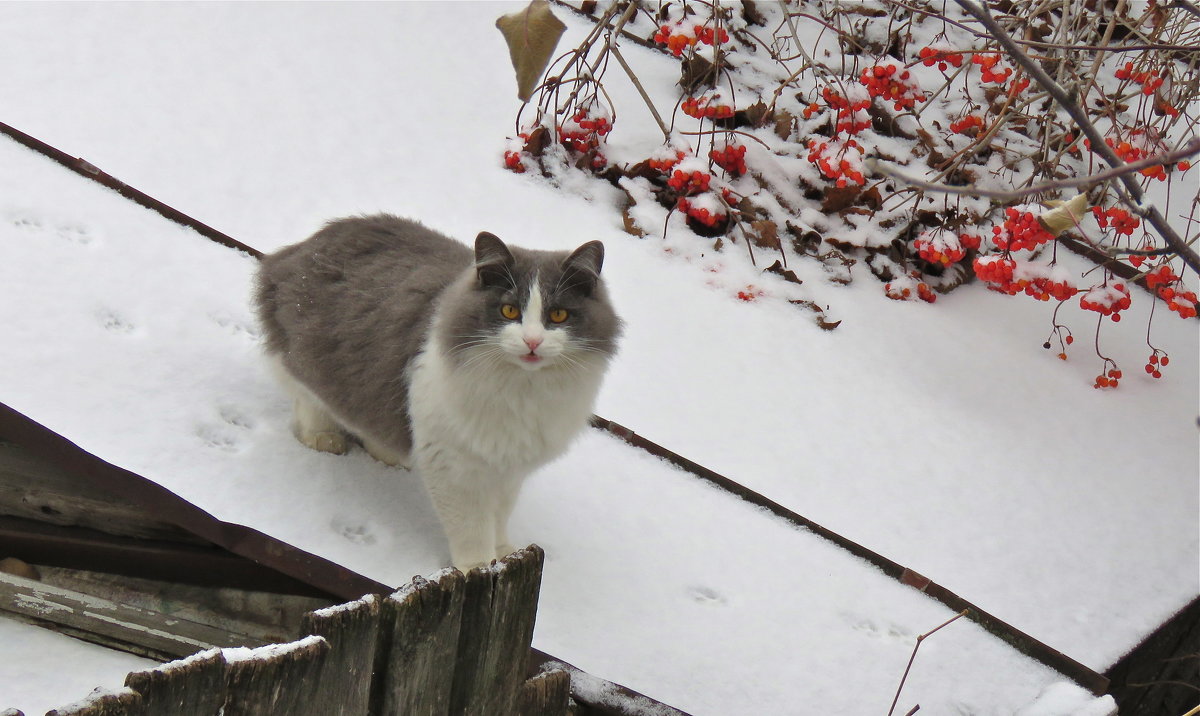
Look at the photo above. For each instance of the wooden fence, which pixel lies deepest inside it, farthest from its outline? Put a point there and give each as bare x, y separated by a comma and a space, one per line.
456, 645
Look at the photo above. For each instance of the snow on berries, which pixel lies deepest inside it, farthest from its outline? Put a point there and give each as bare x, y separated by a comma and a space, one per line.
940, 246
1106, 299
684, 32
839, 161
707, 106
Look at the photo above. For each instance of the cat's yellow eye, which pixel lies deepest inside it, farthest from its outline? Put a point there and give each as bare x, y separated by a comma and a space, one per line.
510, 312
558, 315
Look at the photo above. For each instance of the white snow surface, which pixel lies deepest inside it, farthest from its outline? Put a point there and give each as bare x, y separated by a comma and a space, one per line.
941, 436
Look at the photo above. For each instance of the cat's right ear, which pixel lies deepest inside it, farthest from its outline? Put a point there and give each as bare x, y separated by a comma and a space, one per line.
493, 261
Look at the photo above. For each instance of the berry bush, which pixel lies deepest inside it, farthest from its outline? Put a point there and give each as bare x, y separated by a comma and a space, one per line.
903, 139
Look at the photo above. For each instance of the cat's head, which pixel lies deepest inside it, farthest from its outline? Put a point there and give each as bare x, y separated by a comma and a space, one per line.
532, 309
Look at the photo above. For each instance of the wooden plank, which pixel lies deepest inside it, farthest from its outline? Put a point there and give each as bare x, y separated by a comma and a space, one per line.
35, 489
280, 680
117, 703
424, 619
547, 694
498, 613
353, 632
268, 617
111, 624
194, 686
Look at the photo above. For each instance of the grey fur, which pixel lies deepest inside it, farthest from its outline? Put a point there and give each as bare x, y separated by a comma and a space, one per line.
347, 310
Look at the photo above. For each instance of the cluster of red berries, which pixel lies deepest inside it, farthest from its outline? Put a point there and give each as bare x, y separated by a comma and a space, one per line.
702, 214
1021, 230
583, 131
930, 57
1164, 275
1149, 81
731, 158
833, 163
941, 247
902, 290
1157, 360
986, 64
1107, 300
1110, 378
852, 116
512, 161
667, 163
1121, 221
689, 183
1129, 153
1166, 283
680, 36
891, 82
707, 106
1010, 277
967, 123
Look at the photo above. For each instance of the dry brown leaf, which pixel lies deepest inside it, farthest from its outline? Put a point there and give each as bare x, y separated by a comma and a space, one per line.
531, 34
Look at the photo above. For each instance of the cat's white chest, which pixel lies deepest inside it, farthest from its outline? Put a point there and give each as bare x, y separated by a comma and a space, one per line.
511, 420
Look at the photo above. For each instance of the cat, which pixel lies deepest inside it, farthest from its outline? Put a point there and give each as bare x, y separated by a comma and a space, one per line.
475, 368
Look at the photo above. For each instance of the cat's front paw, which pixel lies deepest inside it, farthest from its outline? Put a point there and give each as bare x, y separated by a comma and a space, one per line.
327, 441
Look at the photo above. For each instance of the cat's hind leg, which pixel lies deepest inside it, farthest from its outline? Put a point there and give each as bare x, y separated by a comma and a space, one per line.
385, 454
311, 422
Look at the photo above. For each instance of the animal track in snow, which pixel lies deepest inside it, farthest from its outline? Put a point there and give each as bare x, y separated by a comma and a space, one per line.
706, 596
353, 531
110, 320
878, 631
71, 232
229, 434
236, 326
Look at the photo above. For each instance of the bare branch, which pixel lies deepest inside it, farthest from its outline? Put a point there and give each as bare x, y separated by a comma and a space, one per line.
1135, 197
1191, 148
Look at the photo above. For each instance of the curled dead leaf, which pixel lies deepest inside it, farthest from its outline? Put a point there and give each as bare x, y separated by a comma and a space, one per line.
531, 34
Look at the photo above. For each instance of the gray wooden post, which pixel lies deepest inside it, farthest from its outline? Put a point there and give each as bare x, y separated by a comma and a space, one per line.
353, 632
425, 618
280, 680
194, 686
497, 629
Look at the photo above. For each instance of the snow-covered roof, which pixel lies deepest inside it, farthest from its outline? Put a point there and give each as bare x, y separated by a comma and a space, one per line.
1068, 512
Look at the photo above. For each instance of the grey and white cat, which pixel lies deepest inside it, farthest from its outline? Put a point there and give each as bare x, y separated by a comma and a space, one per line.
474, 367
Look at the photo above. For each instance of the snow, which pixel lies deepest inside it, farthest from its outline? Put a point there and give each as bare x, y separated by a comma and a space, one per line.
940, 436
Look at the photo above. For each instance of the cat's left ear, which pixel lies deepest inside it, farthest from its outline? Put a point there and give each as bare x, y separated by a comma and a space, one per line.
582, 267
493, 261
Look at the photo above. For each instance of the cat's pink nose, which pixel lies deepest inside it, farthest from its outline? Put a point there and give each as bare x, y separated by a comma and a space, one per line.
533, 343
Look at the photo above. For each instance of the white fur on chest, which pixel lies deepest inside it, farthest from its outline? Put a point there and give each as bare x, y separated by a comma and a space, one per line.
510, 419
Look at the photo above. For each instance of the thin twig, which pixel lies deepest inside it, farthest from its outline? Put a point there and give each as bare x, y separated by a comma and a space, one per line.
1188, 150
641, 90
913, 658
1135, 197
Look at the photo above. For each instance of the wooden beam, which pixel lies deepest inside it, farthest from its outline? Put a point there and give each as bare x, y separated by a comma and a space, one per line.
112, 624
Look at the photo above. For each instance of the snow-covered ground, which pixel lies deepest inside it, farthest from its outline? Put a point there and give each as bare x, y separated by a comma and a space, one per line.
941, 436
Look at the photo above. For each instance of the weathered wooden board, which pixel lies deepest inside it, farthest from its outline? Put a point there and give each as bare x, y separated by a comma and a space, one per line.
497, 628
546, 694
120, 626
120, 703
353, 631
281, 680
35, 489
194, 686
425, 619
